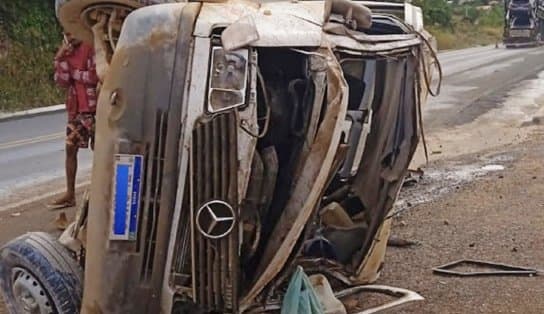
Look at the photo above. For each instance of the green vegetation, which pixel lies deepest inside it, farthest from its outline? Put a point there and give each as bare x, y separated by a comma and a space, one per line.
29, 37
463, 25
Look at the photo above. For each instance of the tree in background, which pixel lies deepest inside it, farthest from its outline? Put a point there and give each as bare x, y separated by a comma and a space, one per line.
436, 12
29, 37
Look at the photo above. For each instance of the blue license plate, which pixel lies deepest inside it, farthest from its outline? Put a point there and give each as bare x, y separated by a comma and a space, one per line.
126, 196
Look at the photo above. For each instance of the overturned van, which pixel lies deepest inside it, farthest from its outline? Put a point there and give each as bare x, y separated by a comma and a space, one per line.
236, 142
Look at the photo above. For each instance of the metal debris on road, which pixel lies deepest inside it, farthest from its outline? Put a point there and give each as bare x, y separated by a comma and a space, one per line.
403, 295
398, 242
413, 177
501, 269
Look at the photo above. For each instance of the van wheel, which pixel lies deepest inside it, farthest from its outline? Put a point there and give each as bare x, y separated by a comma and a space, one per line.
76, 16
39, 276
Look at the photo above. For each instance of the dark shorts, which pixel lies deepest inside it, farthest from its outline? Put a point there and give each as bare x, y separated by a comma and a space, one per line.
80, 131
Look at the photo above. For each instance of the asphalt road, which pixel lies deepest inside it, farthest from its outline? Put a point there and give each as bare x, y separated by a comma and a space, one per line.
32, 152
475, 80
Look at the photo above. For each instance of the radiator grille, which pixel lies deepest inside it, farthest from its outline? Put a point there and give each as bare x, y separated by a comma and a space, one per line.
214, 177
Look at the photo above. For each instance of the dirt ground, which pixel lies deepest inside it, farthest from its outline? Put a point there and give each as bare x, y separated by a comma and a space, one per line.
497, 217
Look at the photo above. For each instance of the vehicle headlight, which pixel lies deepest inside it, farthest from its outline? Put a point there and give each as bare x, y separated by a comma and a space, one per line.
228, 79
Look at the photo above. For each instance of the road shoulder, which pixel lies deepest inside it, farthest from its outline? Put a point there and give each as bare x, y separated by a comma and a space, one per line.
497, 217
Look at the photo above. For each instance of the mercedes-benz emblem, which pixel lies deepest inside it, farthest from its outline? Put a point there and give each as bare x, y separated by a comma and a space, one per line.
215, 219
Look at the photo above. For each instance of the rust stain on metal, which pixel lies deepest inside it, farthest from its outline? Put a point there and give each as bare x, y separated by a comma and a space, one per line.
159, 37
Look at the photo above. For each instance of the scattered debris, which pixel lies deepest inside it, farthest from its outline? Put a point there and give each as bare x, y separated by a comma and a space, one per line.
500, 269
61, 222
300, 296
398, 242
325, 294
417, 172
436, 152
403, 296
534, 121
493, 168
409, 181
413, 177
446, 222
438, 181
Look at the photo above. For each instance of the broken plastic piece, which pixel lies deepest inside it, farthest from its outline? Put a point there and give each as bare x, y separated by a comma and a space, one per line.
300, 297
404, 296
323, 290
502, 269
240, 33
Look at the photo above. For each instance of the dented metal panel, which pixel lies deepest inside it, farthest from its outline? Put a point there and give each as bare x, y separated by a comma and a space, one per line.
193, 99
309, 186
136, 124
288, 24
350, 43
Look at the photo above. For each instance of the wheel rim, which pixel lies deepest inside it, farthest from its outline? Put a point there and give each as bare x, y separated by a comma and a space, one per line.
90, 14
29, 294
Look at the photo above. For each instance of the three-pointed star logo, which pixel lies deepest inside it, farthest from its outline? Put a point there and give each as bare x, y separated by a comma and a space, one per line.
215, 219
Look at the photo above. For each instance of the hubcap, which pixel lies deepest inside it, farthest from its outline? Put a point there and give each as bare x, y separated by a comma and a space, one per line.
29, 294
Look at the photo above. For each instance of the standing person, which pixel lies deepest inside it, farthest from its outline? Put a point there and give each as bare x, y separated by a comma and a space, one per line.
75, 70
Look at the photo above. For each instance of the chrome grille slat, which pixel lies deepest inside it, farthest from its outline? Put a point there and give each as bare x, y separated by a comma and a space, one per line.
216, 173
182, 257
208, 196
223, 158
199, 178
233, 193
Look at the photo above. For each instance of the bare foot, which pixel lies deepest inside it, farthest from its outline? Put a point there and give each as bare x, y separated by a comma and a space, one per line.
63, 202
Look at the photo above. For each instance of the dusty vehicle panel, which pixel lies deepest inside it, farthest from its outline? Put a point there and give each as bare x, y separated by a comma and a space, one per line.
237, 141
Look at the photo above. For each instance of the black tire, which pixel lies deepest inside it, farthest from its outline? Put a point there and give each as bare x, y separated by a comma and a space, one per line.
69, 13
44, 262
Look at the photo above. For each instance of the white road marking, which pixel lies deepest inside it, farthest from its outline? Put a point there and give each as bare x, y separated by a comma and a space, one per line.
34, 140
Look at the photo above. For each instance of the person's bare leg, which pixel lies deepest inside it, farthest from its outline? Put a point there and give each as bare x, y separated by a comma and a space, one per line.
68, 199
71, 170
